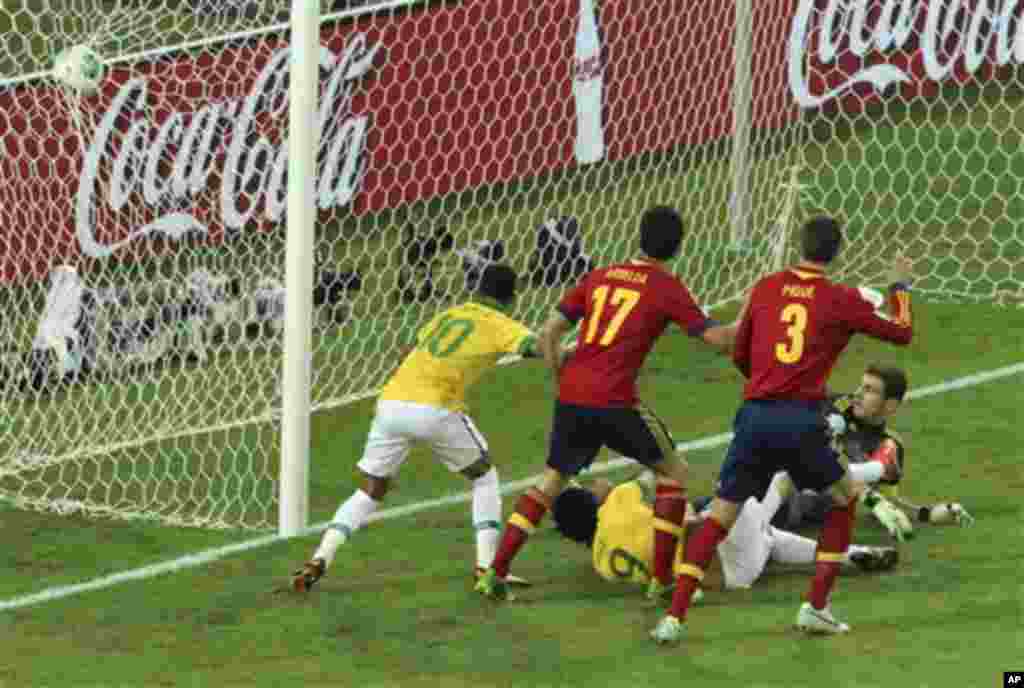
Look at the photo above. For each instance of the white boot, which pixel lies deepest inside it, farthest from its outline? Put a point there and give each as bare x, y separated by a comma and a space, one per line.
811, 620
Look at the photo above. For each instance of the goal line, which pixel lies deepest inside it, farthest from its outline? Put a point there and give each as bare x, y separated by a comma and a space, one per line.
215, 554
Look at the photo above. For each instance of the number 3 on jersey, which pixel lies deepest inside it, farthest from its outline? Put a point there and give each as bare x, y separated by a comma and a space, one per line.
795, 314
624, 299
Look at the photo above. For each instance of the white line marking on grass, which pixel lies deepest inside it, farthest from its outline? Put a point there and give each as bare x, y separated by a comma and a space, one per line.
215, 554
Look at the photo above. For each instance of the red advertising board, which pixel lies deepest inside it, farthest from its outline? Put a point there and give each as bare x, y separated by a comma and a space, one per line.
433, 100
421, 103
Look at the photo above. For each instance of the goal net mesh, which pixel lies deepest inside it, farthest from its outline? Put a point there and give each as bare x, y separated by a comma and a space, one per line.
144, 222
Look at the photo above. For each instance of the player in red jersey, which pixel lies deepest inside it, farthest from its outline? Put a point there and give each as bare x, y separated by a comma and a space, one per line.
624, 309
795, 325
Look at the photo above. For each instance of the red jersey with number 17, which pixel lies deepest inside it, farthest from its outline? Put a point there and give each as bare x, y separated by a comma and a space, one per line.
625, 308
797, 323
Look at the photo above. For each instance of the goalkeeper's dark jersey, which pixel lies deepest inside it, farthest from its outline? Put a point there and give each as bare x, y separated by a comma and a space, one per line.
863, 442
860, 443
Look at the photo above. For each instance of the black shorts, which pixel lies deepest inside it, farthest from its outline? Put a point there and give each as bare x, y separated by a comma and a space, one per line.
772, 436
579, 432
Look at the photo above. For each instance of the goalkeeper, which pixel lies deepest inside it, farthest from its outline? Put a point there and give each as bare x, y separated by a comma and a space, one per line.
85, 329
615, 522
876, 457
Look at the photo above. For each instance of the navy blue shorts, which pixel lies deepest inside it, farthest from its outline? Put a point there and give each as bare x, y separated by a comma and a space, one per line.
579, 432
772, 436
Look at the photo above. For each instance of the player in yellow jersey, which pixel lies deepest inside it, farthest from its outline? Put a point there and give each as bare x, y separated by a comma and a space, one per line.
424, 401
615, 522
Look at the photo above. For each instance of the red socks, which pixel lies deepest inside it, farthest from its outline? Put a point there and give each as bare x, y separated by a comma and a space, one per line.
700, 548
833, 542
669, 512
530, 510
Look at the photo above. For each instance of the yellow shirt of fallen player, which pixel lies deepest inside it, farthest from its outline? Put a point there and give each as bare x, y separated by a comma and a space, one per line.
622, 551
453, 351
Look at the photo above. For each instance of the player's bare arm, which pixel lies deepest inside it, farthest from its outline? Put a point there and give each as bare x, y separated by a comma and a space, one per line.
721, 337
556, 327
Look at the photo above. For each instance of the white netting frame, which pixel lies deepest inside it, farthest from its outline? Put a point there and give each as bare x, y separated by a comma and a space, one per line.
670, 127
929, 89
139, 433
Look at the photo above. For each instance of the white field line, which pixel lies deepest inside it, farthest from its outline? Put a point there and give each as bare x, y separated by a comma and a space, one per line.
215, 554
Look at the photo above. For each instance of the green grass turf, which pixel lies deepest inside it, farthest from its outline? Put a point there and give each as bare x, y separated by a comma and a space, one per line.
397, 610
941, 182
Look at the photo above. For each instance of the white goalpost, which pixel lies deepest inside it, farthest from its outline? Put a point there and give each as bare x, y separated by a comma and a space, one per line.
304, 60
223, 217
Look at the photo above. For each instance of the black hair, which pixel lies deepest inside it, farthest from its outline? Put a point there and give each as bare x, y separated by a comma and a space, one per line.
498, 281
575, 514
661, 232
821, 238
894, 380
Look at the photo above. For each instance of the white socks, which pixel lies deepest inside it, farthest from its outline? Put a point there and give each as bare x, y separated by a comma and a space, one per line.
853, 549
486, 517
352, 514
780, 488
790, 548
349, 517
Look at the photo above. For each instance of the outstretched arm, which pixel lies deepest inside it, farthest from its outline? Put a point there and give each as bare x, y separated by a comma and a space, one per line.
897, 328
884, 465
937, 514
721, 337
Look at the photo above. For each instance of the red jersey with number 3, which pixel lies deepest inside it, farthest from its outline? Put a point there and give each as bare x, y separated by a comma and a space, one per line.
796, 324
624, 309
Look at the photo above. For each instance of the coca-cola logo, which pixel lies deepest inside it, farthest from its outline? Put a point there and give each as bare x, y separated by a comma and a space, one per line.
188, 145
954, 31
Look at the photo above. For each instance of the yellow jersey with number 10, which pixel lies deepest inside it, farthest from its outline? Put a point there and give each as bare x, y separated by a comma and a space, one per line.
452, 351
623, 548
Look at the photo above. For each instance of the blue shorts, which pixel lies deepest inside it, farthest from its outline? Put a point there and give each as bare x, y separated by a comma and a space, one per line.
772, 436
579, 432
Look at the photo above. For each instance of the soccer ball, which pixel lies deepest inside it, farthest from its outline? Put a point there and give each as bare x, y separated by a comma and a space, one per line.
79, 68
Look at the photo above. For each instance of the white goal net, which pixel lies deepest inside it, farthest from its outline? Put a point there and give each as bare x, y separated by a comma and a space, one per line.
143, 204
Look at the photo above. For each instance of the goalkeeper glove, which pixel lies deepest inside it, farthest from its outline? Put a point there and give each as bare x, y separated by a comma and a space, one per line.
946, 513
889, 515
961, 516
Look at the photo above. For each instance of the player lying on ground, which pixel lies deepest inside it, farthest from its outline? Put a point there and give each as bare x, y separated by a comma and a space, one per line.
875, 456
794, 326
624, 308
615, 521
87, 329
424, 401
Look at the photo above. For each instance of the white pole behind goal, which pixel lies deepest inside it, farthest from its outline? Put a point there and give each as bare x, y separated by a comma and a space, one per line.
303, 139
740, 205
